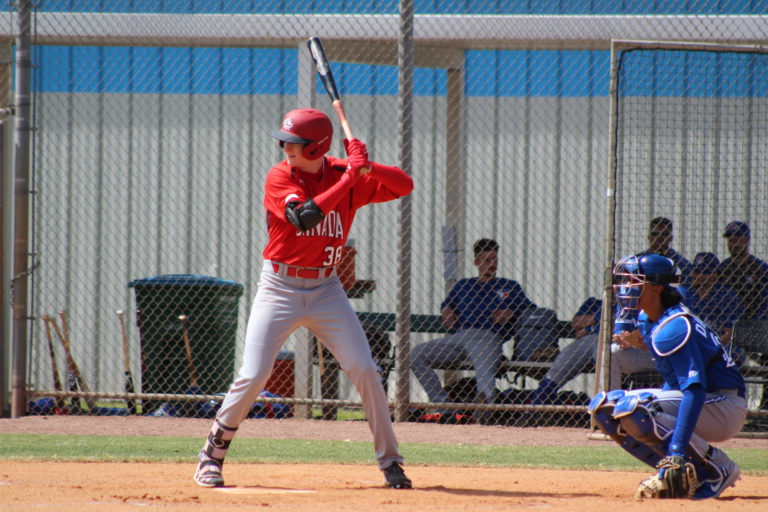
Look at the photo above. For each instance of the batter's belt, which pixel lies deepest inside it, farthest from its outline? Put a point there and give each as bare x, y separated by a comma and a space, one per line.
301, 272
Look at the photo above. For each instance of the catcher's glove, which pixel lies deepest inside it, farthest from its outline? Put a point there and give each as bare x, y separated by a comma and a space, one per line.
675, 479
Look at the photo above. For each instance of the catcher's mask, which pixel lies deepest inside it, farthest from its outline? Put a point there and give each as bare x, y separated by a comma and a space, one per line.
306, 126
632, 272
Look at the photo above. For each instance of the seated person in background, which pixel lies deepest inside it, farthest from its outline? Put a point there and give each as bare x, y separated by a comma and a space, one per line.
582, 352
745, 274
480, 313
577, 356
713, 301
659, 240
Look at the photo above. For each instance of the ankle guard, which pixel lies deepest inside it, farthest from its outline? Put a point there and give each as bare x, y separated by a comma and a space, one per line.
218, 441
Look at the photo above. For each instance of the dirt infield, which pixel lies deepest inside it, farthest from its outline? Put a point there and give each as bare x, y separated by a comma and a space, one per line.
65, 486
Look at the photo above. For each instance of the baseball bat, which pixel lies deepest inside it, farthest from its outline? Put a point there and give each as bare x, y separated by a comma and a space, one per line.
63, 335
326, 76
72, 383
188, 347
320, 357
59, 408
128, 377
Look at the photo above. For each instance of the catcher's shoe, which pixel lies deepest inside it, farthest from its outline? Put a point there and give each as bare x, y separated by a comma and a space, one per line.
675, 479
208, 472
730, 474
652, 487
395, 477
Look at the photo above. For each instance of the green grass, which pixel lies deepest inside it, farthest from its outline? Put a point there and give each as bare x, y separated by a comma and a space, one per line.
602, 456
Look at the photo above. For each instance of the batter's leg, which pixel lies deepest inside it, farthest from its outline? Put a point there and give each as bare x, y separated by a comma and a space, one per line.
335, 322
274, 316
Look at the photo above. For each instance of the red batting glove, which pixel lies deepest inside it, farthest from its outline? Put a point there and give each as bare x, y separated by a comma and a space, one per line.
352, 146
356, 162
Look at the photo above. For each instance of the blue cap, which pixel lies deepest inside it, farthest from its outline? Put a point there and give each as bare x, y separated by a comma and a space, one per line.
736, 228
705, 263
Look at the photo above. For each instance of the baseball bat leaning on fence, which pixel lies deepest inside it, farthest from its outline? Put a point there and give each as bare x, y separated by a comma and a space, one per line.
326, 76
128, 377
72, 380
190, 363
72, 367
59, 403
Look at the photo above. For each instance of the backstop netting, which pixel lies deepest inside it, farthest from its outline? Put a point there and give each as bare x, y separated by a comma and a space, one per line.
690, 136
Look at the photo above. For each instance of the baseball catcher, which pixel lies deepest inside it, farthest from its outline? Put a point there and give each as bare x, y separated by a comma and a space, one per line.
703, 397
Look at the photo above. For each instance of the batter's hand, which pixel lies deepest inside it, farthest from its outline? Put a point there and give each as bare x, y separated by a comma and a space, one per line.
352, 146
357, 165
631, 339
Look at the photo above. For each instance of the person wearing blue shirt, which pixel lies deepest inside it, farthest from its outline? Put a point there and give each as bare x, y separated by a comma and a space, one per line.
576, 357
744, 273
480, 313
659, 242
703, 396
713, 301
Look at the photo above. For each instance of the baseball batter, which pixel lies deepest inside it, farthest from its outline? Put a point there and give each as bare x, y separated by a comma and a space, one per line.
311, 200
702, 400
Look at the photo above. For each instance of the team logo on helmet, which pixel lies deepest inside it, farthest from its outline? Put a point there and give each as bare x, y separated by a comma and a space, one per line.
287, 124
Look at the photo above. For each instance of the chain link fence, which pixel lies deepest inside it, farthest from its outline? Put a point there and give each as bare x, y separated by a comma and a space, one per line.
151, 146
690, 154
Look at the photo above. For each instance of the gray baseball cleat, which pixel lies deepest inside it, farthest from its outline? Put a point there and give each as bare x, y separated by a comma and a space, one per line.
208, 473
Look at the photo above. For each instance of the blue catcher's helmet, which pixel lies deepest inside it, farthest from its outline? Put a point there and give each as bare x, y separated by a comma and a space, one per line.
631, 273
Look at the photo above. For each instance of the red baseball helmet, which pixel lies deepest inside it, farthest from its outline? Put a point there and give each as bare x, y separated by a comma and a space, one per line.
309, 127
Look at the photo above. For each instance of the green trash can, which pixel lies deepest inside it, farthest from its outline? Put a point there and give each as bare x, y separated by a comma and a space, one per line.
211, 307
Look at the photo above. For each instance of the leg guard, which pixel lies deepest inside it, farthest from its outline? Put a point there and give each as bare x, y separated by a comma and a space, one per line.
218, 441
637, 416
602, 408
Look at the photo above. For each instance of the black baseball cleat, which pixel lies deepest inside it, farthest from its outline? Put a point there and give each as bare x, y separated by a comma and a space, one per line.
208, 473
395, 477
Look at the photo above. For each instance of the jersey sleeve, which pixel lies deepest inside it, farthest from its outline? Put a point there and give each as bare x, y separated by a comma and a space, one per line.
453, 295
517, 300
591, 306
384, 183
279, 190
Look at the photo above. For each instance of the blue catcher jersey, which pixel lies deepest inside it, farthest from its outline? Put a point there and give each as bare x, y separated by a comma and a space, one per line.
686, 351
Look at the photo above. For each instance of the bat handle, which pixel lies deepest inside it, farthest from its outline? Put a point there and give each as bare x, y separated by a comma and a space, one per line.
339, 108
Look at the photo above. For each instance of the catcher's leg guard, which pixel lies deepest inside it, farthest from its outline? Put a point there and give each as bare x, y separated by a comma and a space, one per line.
636, 416
602, 410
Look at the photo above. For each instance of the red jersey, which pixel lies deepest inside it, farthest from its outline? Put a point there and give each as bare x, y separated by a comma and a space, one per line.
322, 245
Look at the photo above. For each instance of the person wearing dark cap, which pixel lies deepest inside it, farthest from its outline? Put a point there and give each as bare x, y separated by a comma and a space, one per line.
713, 301
744, 273
659, 240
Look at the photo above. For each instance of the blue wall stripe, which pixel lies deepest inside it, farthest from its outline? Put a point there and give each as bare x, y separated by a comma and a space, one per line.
274, 71
421, 6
